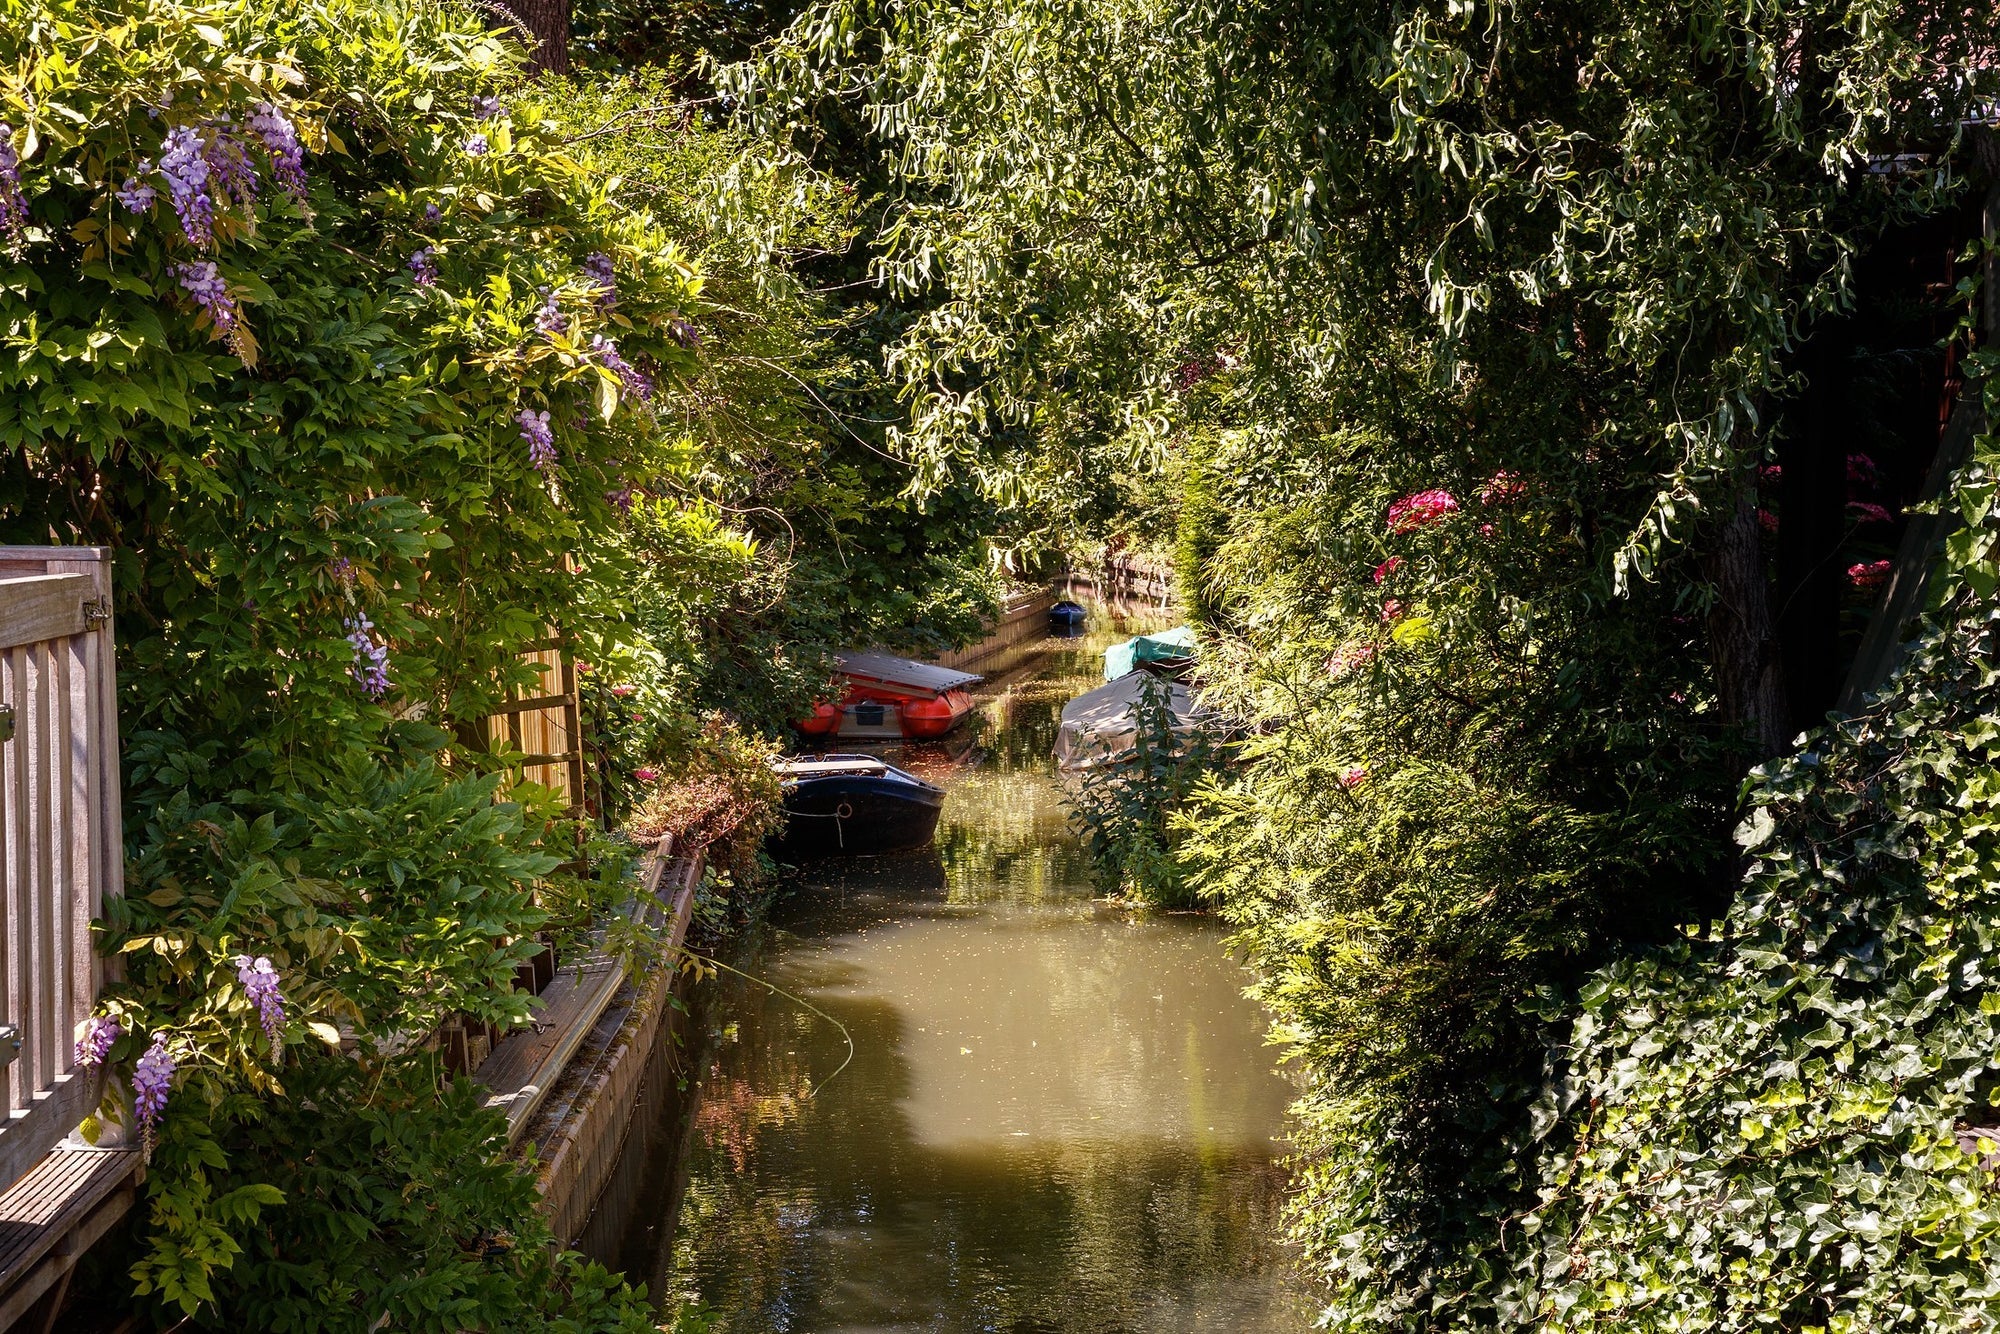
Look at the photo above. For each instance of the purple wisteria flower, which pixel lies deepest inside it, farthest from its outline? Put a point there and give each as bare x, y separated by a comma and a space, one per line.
683, 331
597, 267
260, 985
204, 283
281, 141
541, 440
229, 168
476, 146
550, 319
151, 1080
488, 108
342, 569
432, 214
13, 201
637, 382
137, 195
186, 170
620, 500
95, 1044
423, 267
370, 668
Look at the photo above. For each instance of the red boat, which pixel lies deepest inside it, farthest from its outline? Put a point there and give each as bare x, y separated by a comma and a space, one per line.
891, 698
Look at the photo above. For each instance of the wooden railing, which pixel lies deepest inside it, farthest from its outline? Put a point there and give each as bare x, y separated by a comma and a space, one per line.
61, 845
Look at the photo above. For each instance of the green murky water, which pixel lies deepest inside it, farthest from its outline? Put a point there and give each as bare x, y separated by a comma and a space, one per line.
1058, 1115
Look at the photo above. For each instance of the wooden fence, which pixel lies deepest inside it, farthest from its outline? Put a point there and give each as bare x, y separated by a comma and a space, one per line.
60, 841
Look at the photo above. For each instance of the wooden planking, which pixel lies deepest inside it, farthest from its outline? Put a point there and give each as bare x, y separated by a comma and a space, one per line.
60, 839
43, 607
55, 1213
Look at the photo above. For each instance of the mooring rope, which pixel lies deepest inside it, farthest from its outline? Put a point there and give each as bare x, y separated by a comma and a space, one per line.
811, 1089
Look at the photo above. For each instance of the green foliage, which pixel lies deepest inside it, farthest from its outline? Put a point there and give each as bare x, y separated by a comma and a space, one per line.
1549, 261
1124, 807
1777, 1123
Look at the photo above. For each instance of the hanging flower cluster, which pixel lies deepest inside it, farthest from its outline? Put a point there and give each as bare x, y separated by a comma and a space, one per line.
370, 668
260, 985
637, 383
597, 268
476, 146
203, 281
13, 203
186, 170
550, 319
98, 1036
281, 141
423, 267
620, 499
541, 440
136, 195
152, 1078
488, 108
1421, 510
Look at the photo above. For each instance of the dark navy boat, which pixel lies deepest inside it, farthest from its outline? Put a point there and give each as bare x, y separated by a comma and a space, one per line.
852, 805
1066, 618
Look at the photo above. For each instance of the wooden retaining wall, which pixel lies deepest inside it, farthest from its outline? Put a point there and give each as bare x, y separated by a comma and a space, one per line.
1024, 615
580, 1131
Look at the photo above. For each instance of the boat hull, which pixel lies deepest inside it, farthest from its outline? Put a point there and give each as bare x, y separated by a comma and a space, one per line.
857, 815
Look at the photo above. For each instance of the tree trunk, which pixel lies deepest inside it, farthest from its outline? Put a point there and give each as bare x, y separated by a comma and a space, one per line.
1749, 678
544, 26
1812, 520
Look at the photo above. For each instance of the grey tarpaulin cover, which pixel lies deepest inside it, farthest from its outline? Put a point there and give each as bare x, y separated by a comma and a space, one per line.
922, 678
1103, 724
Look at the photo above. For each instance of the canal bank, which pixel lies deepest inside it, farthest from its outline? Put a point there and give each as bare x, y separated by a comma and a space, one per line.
1055, 1114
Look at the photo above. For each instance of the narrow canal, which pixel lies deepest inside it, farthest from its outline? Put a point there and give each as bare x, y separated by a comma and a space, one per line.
1057, 1114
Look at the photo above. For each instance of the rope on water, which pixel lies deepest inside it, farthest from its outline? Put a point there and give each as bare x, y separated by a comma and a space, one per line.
802, 1002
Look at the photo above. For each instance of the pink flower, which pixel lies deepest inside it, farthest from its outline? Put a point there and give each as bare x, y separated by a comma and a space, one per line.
1868, 575
621, 691
1869, 513
1767, 521
1392, 610
1354, 777
1860, 468
1502, 487
1387, 568
1771, 472
646, 775
1421, 510
1486, 530
1343, 661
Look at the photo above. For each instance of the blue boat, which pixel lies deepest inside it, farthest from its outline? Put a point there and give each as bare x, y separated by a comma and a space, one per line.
853, 805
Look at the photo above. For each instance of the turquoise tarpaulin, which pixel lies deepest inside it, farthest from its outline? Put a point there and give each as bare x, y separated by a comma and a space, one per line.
1122, 659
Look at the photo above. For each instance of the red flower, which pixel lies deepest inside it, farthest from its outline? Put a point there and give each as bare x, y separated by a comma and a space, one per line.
1870, 513
1767, 521
1354, 777
1868, 575
1387, 568
1392, 610
1343, 661
1771, 472
1421, 510
1502, 487
646, 775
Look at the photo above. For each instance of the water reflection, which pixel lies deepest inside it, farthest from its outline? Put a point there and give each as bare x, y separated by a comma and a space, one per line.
1058, 1115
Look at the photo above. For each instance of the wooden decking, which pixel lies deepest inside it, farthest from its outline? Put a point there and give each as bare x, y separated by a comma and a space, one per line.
52, 1215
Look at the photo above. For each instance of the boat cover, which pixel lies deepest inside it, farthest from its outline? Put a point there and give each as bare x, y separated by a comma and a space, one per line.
904, 674
1103, 724
1166, 646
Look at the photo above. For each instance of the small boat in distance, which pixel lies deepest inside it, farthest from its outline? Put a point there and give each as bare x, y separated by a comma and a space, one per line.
1067, 618
887, 698
1167, 653
852, 805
